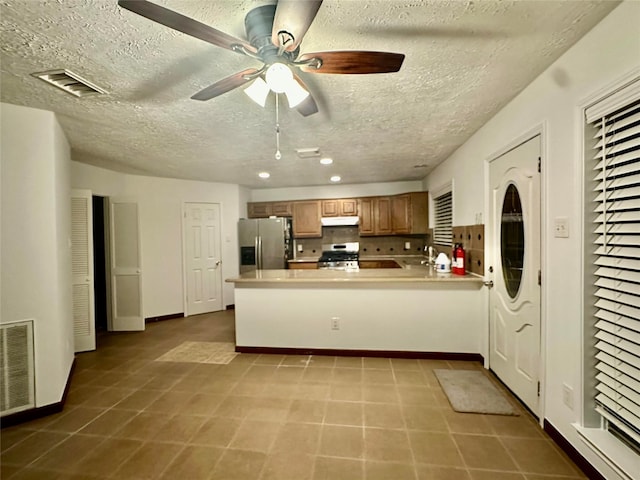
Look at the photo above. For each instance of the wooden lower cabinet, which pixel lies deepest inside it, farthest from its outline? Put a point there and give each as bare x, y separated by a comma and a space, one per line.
384, 263
303, 265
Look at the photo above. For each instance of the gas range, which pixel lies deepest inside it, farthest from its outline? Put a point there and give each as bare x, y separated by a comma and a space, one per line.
340, 256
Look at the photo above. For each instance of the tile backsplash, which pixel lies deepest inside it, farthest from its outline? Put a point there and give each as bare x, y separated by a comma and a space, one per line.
472, 239
369, 246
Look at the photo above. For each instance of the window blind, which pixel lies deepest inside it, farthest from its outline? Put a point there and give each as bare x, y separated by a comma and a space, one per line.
616, 209
443, 214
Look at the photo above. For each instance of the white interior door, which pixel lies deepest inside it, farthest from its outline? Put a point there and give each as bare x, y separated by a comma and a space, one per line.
84, 325
126, 270
202, 258
514, 226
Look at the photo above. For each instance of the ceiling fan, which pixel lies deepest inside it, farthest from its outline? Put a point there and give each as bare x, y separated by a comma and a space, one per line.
274, 33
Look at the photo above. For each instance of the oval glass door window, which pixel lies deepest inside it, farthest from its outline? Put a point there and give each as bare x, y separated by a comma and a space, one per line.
512, 241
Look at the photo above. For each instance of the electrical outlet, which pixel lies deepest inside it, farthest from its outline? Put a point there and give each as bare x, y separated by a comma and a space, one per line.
567, 395
335, 323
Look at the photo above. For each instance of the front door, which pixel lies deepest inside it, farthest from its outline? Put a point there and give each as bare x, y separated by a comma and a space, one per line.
514, 240
126, 267
202, 258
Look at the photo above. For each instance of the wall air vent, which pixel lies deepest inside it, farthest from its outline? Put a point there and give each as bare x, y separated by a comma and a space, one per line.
17, 390
70, 82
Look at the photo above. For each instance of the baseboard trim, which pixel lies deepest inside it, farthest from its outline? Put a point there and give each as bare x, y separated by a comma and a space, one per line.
470, 357
39, 412
582, 463
160, 318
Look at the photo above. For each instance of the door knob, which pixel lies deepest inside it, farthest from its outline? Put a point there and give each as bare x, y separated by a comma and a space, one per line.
218, 262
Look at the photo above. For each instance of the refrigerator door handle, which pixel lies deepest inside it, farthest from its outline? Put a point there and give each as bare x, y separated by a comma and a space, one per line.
259, 252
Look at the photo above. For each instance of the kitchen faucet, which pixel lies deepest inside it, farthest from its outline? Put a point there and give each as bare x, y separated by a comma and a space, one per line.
433, 253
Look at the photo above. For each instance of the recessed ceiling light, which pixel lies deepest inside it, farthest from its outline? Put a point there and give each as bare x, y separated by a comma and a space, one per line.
335, 178
264, 174
326, 161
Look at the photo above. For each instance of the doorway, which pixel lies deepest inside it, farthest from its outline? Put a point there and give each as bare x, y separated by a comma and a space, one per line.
100, 262
514, 238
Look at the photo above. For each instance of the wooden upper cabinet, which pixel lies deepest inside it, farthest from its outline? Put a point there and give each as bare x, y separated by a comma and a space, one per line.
348, 207
306, 219
365, 207
375, 216
259, 210
281, 209
382, 216
340, 207
410, 213
401, 213
267, 209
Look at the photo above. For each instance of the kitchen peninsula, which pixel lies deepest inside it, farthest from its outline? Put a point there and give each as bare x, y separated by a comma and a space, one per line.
403, 311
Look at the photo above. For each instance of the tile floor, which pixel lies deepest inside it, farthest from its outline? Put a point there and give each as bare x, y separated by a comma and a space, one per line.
267, 417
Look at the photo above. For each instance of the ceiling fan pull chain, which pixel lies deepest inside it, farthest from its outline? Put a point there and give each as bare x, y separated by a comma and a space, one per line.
278, 155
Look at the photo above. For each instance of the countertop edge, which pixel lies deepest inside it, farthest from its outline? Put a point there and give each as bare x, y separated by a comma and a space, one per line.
440, 278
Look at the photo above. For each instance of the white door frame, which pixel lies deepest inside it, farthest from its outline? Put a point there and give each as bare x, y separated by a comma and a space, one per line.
185, 286
490, 257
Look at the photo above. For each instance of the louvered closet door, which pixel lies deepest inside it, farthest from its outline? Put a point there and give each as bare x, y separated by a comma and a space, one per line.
84, 328
616, 245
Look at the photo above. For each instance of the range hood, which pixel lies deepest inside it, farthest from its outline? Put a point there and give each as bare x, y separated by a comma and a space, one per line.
339, 221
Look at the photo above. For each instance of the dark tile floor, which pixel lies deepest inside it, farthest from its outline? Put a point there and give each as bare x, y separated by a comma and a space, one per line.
267, 417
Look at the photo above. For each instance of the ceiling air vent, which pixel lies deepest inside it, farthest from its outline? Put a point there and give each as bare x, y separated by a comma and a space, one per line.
308, 152
69, 82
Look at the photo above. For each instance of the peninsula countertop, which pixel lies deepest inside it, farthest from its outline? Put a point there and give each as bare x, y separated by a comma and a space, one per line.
374, 275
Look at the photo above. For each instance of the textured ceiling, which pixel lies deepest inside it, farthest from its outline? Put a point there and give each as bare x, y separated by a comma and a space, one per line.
464, 61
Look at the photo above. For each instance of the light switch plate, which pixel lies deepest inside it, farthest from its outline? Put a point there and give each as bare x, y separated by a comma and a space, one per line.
561, 227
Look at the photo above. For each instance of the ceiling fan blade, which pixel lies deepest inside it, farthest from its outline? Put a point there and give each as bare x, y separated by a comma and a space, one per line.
353, 61
226, 84
183, 24
308, 106
293, 17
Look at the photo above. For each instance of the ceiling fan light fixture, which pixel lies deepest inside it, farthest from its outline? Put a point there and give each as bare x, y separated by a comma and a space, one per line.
279, 77
295, 94
258, 91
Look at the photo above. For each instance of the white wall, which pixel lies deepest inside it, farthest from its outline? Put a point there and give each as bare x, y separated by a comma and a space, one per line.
160, 201
35, 248
554, 100
334, 191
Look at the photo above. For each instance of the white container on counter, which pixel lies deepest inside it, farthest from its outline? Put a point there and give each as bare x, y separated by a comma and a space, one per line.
443, 264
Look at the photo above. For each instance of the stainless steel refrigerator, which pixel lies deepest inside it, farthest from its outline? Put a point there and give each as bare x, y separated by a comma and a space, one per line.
265, 243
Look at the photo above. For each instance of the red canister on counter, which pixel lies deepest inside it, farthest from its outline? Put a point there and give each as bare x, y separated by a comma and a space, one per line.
457, 262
